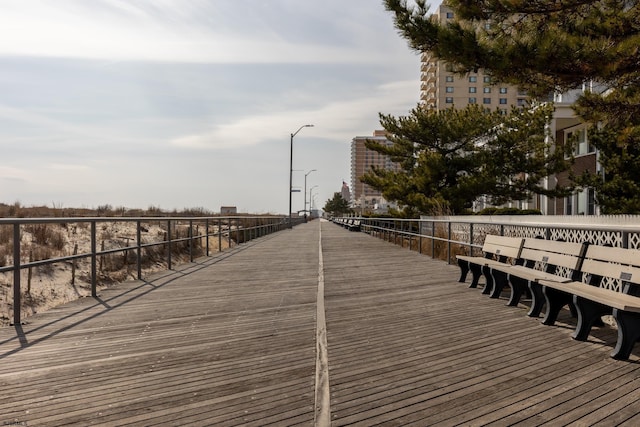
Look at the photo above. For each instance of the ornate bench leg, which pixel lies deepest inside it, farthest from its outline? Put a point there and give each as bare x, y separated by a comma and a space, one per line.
554, 300
628, 333
486, 271
499, 282
464, 269
518, 287
537, 299
589, 312
476, 272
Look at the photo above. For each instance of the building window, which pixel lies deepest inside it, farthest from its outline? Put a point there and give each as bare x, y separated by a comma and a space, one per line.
472, 100
449, 89
503, 90
486, 100
473, 79
522, 102
486, 79
449, 79
448, 100
449, 15
486, 90
568, 210
581, 142
472, 90
586, 202
503, 101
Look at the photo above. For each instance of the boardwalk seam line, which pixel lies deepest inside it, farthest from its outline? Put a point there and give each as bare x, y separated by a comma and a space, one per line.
322, 413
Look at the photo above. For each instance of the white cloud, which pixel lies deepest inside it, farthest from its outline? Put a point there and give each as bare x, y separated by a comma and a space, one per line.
336, 119
205, 32
183, 103
14, 173
68, 167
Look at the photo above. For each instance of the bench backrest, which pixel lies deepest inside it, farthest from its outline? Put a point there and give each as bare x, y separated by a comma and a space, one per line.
613, 263
551, 254
614, 268
502, 246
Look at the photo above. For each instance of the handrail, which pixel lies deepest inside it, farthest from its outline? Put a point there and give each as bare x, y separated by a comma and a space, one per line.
238, 228
465, 235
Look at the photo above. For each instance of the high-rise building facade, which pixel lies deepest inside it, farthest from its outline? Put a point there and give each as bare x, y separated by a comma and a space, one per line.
345, 192
441, 88
362, 160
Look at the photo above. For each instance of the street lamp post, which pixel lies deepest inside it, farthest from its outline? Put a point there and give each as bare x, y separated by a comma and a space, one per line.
305, 190
311, 191
291, 171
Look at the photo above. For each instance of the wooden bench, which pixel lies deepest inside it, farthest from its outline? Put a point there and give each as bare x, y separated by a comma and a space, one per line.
350, 224
342, 222
353, 225
540, 259
592, 299
496, 249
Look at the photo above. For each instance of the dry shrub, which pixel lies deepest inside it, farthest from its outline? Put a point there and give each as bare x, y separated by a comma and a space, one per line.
113, 262
6, 234
153, 255
47, 235
5, 253
106, 233
6, 244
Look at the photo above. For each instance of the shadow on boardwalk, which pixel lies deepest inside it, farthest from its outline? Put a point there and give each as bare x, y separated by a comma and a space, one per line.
231, 341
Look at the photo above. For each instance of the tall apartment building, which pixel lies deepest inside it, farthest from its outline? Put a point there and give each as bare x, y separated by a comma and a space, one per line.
362, 159
440, 88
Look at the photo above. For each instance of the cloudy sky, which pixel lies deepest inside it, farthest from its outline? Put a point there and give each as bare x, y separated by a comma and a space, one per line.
191, 103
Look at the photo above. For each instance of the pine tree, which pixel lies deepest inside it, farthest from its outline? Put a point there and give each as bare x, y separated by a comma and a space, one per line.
542, 45
552, 45
449, 158
337, 205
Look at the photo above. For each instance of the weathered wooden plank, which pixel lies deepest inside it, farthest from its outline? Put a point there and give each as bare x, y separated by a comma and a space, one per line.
432, 351
231, 341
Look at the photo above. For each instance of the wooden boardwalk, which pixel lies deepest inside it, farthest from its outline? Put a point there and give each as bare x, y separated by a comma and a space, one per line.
231, 340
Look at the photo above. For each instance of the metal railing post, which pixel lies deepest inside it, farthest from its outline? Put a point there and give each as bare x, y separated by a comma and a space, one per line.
471, 239
433, 239
206, 236
449, 244
16, 274
219, 235
395, 232
169, 244
190, 240
94, 260
139, 249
